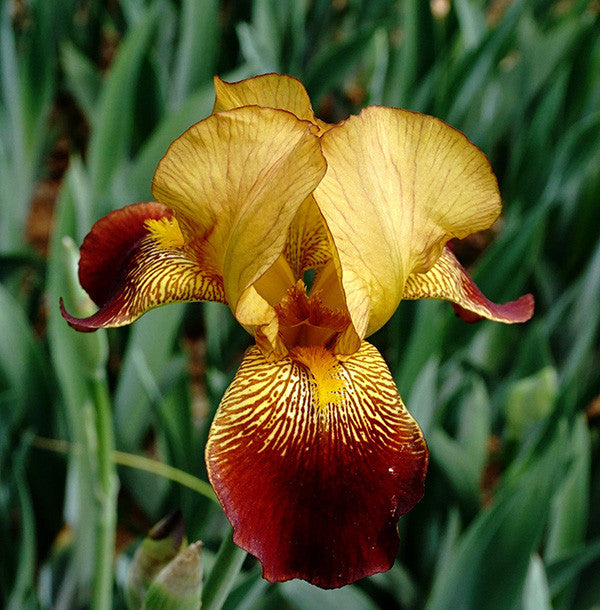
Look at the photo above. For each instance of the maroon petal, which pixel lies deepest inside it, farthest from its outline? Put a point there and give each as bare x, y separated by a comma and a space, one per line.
134, 259
314, 461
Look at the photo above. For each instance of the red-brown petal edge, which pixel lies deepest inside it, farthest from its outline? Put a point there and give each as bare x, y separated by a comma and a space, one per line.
126, 272
316, 493
448, 280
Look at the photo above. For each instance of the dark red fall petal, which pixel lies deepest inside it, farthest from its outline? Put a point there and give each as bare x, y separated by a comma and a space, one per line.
315, 492
110, 242
127, 271
448, 280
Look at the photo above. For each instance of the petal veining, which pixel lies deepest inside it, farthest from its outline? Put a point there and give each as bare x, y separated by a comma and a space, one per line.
398, 186
448, 280
128, 266
235, 181
314, 462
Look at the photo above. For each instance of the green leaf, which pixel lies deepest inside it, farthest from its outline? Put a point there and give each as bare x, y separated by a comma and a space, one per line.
111, 138
584, 321
16, 172
489, 566
328, 68
148, 352
563, 570
23, 366
462, 460
162, 544
301, 595
79, 361
178, 586
25, 553
569, 510
530, 400
426, 339
197, 50
472, 22
423, 397
260, 42
454, 463
83, 79
410, 57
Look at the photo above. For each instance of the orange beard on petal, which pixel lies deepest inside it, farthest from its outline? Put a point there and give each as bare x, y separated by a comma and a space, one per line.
328, 385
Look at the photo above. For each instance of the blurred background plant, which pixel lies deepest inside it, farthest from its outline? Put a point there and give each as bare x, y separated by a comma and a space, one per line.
91, 95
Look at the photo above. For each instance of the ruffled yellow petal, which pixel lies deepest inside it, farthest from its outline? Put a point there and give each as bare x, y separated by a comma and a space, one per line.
235, 181
269, 91
449, 281
398, 186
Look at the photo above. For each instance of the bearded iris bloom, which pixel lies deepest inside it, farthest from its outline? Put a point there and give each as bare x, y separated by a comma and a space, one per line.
312, 453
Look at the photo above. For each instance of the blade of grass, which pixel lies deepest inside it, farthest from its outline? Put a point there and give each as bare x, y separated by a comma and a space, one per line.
79, 361
13, 139
536, 593
26, 552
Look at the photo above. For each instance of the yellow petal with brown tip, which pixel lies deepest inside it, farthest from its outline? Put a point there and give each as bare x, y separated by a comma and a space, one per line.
314, 460
449, 281
133, 260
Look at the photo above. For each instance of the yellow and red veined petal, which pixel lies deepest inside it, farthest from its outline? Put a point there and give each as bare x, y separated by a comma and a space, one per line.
308, 245
236, 180
448, 280
398, 186
314, 460
133, 260
269, 91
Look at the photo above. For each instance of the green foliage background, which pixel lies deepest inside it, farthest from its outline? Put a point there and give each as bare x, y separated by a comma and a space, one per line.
510, 517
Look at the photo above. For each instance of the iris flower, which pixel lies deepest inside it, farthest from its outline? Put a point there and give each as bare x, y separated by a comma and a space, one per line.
312, 453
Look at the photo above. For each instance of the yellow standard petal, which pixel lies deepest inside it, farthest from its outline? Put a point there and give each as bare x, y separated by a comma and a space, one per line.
398, 186
269, 91
235, 181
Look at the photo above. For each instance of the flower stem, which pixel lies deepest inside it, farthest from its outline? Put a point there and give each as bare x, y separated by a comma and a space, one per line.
106, 494
140, 462
223, 574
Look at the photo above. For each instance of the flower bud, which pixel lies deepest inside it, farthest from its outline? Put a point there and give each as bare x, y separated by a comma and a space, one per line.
178, 586
164, 541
